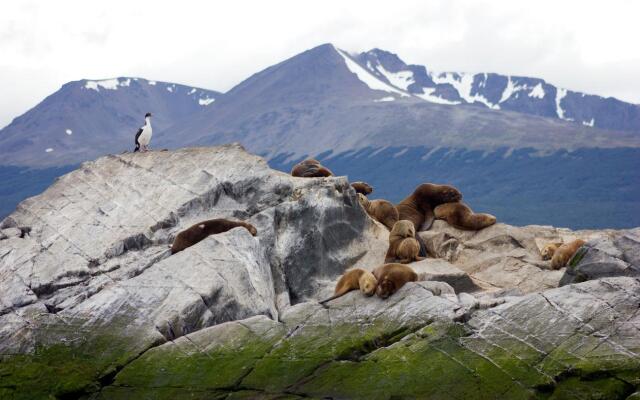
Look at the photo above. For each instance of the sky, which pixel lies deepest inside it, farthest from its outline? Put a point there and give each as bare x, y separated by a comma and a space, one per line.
588, 46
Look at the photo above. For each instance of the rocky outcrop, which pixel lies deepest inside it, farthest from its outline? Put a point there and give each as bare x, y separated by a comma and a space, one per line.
93, 304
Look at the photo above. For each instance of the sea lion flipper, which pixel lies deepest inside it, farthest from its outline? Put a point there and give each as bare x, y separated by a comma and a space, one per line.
429, 217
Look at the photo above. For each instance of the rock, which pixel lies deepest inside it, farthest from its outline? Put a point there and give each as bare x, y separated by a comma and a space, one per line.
93, 305
617, 254
441, 270
502, 256
10, 233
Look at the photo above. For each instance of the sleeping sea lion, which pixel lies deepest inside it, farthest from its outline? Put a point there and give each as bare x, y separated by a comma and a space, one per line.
459, 215
310, 168
564, 253
354, 279
391, 277
201, 230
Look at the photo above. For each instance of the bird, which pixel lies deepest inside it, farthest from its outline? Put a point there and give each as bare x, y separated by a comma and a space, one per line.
143, 137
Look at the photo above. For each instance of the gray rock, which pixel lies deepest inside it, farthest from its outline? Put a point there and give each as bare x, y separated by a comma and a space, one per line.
617, 254
441, 270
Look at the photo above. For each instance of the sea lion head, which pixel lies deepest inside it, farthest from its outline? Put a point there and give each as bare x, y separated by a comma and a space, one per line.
548, 250
252, 229
368, 283
362, 187
448, 194
385, 288
364, 201
403, 228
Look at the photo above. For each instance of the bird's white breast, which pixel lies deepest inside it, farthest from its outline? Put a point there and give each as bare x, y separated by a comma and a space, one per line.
145, 136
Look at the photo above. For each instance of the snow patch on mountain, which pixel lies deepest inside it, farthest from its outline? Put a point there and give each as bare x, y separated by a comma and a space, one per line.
589, 123
463, 83
537, 92
68, 132
560, 94
109, 84
152, 83
192, 91
48, 150
206, 101
366, 77
427, 94
400, 79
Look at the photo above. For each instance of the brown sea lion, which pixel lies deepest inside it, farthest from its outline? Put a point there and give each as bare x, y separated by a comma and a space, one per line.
548, 250
362, 187
380, 210
310, 168
391, 277
403, 246
201, 230
564, 253
418, 207
460, 216
354, 279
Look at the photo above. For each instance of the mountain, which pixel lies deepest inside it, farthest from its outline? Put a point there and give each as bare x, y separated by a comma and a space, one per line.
86, 119
328, 100
500, 92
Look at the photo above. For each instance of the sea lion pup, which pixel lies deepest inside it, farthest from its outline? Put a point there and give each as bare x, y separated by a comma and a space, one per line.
549, 249
354, 279
418, 207
201, 230
362, 187
380, 210
310, 168
403, 246
564, 253
391, 277
460, 216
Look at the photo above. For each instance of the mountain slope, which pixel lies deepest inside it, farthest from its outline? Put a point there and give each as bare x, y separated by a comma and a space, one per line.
86, 119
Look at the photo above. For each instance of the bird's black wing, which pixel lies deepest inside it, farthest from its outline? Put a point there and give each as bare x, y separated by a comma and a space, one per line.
137, 136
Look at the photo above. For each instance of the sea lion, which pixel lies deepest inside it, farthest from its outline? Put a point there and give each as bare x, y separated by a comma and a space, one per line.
362, 187
381, 210
201, 230
354, 279
403, 246
549, 249
460, 216
310, 168
391, 277
564, 253
418, 207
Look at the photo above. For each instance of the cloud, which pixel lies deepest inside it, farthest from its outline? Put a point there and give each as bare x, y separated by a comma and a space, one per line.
587, 46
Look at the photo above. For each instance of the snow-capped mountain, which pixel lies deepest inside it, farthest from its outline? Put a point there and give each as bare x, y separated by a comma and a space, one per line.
89, 118
500, 92
326, 99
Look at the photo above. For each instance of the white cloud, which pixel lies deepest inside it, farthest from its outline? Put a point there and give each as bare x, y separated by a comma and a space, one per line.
588, 46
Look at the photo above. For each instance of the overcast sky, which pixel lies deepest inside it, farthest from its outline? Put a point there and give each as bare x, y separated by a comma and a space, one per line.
589, 46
